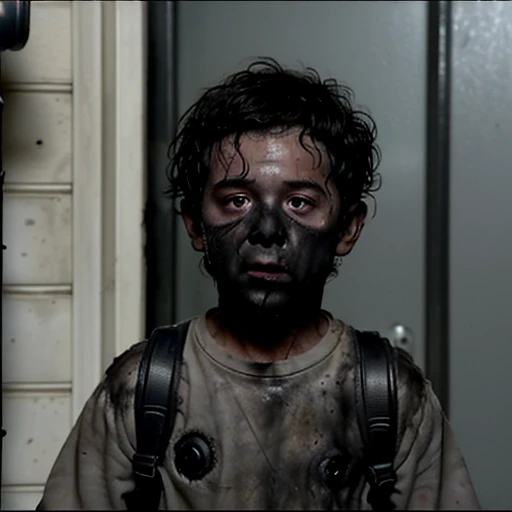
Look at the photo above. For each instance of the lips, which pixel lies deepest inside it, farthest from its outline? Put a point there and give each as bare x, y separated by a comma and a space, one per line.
268, 271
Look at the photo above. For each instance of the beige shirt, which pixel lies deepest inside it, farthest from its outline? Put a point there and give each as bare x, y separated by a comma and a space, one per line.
272, 427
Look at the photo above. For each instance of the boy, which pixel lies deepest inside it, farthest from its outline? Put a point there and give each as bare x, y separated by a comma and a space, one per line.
271, 166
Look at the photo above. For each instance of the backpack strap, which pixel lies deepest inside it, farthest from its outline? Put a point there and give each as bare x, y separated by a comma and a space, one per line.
156, 399
377, 415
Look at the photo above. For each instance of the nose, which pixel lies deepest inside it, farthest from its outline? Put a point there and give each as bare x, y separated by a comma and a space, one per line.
268, 230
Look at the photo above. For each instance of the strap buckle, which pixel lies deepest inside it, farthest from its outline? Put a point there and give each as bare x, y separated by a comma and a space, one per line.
382, 475
144, 465
382, 480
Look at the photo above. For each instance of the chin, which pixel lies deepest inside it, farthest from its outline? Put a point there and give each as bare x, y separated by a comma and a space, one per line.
268, 302
271, 300
263, 307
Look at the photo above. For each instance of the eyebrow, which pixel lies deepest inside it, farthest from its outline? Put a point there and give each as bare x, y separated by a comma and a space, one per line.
234, 181
293, 184
301, 184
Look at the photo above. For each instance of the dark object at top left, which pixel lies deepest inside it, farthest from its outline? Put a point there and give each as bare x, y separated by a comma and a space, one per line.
14, 24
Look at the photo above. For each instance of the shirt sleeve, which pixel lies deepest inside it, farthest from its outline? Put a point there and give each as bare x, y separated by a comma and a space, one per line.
431, 471
93, 469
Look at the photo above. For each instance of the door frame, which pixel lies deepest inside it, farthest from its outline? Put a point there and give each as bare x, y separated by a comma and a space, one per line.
109, 192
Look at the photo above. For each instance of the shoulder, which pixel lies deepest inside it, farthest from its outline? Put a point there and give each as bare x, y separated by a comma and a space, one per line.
411, 383
127, 361
119, 382
120, 379
413, 389
415, 394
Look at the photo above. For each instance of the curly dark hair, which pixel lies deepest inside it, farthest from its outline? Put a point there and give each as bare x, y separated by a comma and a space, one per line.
265, 97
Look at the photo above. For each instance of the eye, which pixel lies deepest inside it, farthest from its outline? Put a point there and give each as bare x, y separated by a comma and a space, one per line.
237, 202
300, 203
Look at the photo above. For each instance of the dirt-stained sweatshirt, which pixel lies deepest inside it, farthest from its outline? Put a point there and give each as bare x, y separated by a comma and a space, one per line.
271, 431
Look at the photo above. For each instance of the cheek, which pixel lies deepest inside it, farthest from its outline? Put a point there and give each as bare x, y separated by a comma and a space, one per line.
314, 249
229, 237
317, 256
223, 242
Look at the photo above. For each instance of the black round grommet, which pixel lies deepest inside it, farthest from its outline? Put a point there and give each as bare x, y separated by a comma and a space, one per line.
335, 471
193, 456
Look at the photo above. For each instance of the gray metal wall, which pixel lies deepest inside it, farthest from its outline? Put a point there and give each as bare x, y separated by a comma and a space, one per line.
379, 48
481, 245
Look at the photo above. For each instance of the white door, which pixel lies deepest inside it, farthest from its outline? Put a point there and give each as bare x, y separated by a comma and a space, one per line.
377, 48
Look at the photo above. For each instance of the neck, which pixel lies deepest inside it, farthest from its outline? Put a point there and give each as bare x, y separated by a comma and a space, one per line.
263, 336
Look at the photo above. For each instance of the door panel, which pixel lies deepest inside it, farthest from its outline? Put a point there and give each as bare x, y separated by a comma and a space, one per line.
37, 233
50, 34
37, 424
481, 245
37, 145
377, 48
37, 338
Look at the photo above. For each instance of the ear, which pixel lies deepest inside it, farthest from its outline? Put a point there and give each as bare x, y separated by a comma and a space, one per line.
192, 227
356, 217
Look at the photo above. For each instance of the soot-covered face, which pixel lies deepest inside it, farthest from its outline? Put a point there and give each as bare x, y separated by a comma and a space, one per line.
270, 234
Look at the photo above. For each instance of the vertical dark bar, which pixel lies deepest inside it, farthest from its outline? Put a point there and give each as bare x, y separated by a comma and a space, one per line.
2, 174
162, 112
438, 196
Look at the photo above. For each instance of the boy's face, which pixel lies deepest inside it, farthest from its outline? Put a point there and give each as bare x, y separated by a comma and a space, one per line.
270, 235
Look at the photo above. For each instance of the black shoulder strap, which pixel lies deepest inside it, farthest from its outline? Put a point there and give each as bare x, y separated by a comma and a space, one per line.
377, 415
155, 411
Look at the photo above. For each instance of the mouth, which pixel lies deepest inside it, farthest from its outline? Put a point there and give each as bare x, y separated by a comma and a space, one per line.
269, 272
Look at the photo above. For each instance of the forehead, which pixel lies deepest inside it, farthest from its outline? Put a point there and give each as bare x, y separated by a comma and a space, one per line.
270, 156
